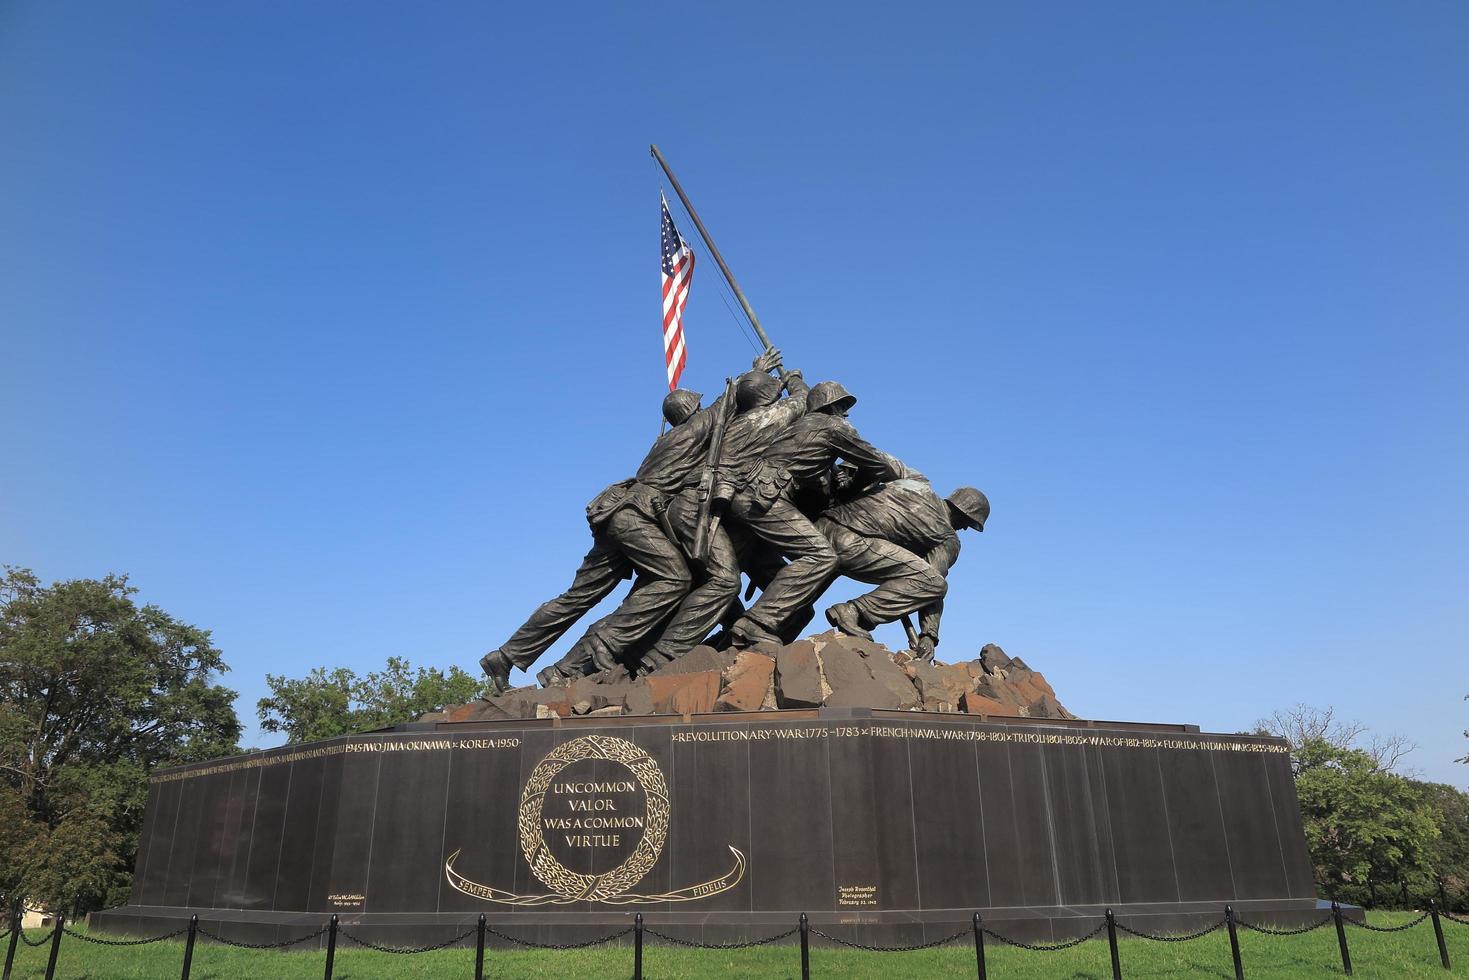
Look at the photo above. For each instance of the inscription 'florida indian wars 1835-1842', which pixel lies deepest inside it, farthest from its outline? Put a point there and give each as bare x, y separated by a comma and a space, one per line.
592, 823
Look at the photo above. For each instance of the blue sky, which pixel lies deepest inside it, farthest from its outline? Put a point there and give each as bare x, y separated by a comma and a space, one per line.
324, 321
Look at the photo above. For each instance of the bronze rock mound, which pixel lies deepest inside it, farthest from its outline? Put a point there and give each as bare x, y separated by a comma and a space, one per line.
828, 670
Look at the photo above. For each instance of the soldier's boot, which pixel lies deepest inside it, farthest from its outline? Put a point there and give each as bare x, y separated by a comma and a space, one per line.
844, 616
652, 660
747, 633
553, 676
497, 668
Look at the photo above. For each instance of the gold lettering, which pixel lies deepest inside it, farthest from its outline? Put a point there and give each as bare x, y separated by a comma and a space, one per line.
593, 840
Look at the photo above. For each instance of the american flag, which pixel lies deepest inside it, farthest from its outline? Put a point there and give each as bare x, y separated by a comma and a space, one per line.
678, 273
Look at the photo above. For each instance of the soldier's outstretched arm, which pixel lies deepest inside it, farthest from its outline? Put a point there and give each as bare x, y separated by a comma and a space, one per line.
796, 387
859, 452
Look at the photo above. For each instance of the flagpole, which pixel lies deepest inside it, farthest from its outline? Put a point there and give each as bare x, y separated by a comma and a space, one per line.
713, 249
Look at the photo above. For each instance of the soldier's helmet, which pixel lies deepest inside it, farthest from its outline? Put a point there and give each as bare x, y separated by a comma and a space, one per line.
974, 505
829, 394
680, 404
754, 389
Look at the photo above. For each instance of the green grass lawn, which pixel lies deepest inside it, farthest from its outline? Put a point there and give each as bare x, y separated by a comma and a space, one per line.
1396, 955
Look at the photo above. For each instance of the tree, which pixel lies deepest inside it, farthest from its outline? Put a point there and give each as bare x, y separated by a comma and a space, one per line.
95, 691
338, 702
1449, 854
1369, 830
1303, 724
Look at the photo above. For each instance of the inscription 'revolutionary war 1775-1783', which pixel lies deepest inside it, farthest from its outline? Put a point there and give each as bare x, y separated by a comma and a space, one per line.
751, 734
973, 735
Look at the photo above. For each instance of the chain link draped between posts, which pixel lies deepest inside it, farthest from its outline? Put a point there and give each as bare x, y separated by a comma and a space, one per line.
979, 931
582, 945
1268, 931
281, 945
406, 950
748, 944
98, 940
1190, 937
1371, 928
1045, 947
890, 949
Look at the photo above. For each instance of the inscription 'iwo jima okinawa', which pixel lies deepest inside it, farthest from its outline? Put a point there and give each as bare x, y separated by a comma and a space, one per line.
773, 482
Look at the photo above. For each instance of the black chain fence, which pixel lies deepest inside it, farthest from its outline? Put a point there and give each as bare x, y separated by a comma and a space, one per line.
891, 949
1269, 931
1402, 928
979, 931
408, 950
585, 944
1188, 937
283, 944
1046, 947
98, 940
748, 944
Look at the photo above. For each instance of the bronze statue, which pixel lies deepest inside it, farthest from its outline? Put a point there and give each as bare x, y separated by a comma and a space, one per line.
628, 536
900, 536
764, 503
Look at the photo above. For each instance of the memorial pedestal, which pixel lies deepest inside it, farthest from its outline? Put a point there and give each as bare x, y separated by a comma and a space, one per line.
883, 826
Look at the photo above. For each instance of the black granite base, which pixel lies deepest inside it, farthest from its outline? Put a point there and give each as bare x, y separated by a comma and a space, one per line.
885, 827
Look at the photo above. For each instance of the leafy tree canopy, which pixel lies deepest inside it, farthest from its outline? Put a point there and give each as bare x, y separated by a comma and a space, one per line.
1369, 830
95, 691
338, 702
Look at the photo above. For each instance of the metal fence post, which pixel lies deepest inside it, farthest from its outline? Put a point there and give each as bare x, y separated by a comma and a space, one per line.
189, 947
1239, 968
55, 946
14, 938
805, 948
1443, 951
1112, 945
1341, 939
979, 947
637, 947
479, 950
331, 946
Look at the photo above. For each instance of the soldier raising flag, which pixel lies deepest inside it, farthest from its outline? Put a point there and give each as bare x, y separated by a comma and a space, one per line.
730, 490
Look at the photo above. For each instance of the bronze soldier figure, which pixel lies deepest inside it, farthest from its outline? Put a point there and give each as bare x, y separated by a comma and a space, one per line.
760, 413
765, 504
902, 537
627, 537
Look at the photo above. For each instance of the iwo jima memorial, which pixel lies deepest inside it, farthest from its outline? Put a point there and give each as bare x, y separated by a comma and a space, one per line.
691, 758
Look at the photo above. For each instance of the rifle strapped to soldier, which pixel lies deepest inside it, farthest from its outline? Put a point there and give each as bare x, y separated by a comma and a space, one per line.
713, 495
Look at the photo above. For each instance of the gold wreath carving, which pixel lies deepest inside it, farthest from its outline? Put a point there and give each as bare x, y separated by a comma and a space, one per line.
556, 876
612, 886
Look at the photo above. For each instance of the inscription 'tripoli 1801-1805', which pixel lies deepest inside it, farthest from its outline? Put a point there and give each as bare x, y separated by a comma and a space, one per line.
924, 733
593, 820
